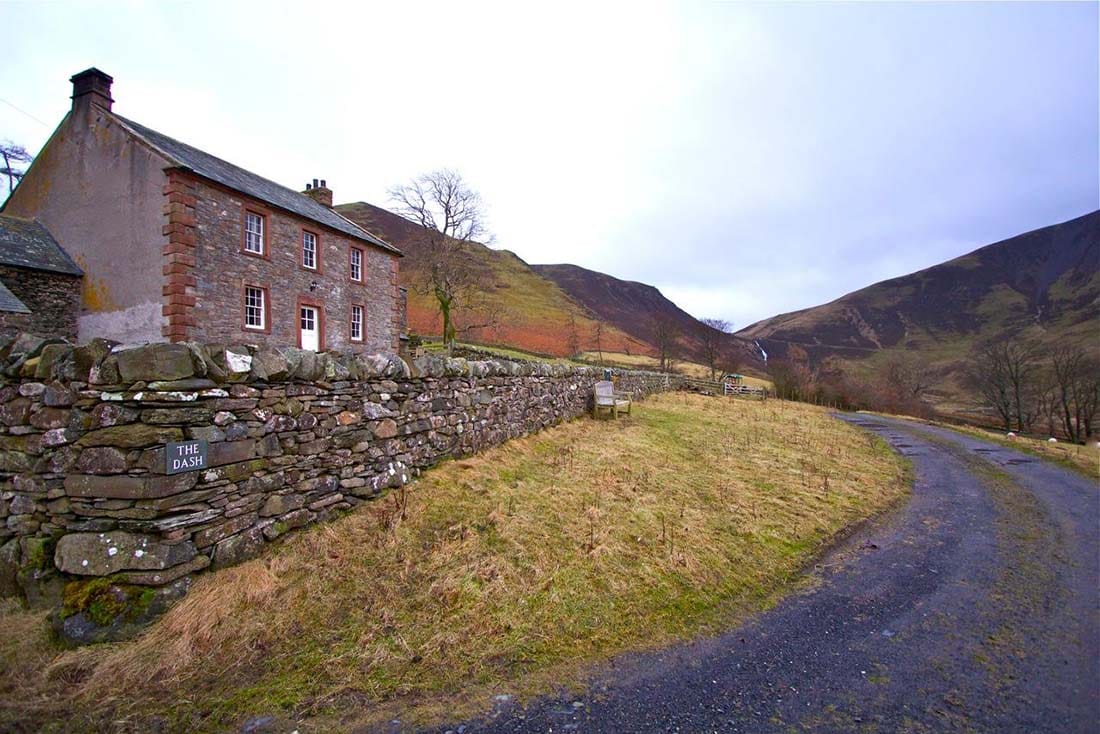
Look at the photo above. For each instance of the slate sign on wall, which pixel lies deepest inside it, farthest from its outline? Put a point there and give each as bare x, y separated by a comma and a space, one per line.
185, 456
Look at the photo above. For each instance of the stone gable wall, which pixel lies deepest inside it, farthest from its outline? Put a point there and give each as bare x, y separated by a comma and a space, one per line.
293, 438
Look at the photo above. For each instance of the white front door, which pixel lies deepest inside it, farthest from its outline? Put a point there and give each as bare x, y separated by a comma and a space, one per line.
310, 328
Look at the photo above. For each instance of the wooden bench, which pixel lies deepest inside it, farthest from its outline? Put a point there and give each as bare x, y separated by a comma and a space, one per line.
607, 398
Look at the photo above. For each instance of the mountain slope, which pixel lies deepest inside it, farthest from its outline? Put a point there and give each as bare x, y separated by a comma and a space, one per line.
536, 315
1042, 285
635, 308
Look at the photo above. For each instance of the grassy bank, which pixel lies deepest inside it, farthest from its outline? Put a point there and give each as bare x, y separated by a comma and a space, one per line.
510, 571
1083, 459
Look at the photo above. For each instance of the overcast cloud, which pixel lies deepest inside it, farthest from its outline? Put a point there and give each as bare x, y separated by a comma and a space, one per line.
746, 159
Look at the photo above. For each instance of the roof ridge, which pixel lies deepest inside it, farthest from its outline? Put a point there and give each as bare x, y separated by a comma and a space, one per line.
296, 203
358, 226
131, 123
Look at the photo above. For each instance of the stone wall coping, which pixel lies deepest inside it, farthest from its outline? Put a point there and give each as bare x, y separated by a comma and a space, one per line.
186, 371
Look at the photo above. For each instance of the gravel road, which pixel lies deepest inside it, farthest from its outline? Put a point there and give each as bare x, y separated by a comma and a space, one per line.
975, 607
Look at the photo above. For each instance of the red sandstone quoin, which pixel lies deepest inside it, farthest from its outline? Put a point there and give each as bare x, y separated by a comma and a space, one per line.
176, 244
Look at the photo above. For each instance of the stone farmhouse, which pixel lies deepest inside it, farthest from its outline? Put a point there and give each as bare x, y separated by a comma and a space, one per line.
175, 244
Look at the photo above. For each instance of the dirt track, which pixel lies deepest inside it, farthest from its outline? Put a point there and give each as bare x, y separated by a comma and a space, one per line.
976, 607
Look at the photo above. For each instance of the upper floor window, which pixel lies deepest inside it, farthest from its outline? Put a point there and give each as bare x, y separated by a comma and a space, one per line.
309, 250
356, 264
255, 308
254, 233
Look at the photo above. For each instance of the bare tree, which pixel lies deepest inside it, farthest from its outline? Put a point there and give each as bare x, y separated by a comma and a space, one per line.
573, 338
479, 315
597, 334
899, 386
666, 334
992, 387
1076, 388
452, 216
793, 379
1004, 376
1047, 408
12, 156
714, 340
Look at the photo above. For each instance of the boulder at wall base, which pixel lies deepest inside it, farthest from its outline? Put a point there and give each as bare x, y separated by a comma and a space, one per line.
155, 362
239, 548
103, 610
101, 554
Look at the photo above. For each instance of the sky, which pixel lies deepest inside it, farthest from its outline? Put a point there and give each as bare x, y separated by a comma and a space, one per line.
748, 159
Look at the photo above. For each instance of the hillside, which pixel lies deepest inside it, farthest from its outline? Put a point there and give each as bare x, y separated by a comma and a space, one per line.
1043, 284
537, 315
634, 308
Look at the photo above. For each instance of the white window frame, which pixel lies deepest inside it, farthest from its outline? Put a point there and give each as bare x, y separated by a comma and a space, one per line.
260, 306
356, 254
254, 235
357, 313
309, 236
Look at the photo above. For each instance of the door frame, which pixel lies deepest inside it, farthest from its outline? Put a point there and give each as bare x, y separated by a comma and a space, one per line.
319, 306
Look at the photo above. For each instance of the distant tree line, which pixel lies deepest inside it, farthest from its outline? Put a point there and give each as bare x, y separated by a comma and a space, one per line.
1030, 388
899, 385
1025, 387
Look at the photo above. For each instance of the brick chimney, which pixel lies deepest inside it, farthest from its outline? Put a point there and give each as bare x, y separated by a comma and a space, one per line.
319, 192
92, 86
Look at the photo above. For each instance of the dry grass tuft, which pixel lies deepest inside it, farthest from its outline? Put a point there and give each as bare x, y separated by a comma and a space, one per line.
505, 569
223, 609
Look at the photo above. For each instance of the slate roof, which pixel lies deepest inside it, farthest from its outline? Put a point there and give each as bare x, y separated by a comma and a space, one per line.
238, 179
9, 302
24, 243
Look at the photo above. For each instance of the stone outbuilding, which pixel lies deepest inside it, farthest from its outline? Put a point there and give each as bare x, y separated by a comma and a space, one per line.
179, 245
39, 282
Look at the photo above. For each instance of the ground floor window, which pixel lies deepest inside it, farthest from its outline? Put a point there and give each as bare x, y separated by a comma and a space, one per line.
357, 323
255, 307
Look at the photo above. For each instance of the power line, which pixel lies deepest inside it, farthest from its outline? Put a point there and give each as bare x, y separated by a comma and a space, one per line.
24, 112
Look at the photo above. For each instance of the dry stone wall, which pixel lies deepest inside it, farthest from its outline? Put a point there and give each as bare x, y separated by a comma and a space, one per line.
292, 437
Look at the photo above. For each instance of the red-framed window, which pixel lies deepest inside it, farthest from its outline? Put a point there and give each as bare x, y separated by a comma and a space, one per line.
356, 323
254, 233
311, 250
356, 259
256, 308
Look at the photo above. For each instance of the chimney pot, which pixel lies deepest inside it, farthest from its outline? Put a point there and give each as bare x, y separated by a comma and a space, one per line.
319, 192
92, 86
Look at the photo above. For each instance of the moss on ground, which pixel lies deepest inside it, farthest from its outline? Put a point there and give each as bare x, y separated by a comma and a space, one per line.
104, 600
